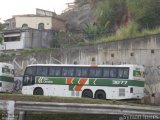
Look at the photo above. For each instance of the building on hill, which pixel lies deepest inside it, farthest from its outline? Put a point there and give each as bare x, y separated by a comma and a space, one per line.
31, 31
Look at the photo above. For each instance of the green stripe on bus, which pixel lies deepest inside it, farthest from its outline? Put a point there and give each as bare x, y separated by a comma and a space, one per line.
50, 80
58, 80
75, 81
93, 82
71, 87
115, 82
6, 79
135, 83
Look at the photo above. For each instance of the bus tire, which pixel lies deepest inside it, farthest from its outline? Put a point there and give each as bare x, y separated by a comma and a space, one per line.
100, 94
38, 91
87, 94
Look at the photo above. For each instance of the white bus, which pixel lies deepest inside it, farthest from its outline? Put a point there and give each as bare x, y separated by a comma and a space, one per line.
6, 77
92, 81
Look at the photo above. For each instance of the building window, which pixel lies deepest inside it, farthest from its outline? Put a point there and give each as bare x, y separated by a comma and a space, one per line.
93, 59
112, 55
25, 26
6, 26
12, 39
132, 54
41, 26
152, 51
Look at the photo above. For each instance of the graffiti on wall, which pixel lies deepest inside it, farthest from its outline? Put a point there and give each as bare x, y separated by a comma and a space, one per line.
20, 65
152, 70
17, 88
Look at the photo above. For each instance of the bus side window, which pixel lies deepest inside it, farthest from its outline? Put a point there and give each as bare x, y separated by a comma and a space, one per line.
126, 73
92, 72
84, 72
78, 72
120, 72
12, 72
58, 71
113, 72
51, 71
28, 80
70, 72
106, 72
30, 71
64, 71
42, 70
98, 72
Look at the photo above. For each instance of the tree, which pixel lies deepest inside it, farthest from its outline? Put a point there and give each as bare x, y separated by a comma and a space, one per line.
84, 2
91, 30
112, 11
112, 14
145, 12
1, 36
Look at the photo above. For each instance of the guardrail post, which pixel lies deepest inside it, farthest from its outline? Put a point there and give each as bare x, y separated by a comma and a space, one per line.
10, 110
21, 115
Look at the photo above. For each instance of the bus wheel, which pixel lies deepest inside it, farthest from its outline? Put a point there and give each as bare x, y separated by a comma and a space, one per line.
100, 94
38, 91
87, 94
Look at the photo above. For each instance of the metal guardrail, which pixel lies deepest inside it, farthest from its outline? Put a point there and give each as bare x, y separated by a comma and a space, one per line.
11, 106
85, 108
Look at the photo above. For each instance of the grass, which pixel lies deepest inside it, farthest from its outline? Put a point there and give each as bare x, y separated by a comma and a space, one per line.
126, 33
20, 97
34, 50
62, 116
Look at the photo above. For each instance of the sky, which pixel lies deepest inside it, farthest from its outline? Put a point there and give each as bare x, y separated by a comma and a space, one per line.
19, 7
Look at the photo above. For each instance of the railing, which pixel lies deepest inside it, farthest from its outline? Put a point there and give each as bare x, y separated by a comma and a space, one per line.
11, 106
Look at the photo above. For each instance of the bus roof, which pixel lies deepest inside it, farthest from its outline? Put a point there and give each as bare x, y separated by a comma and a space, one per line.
3, 63
92, 65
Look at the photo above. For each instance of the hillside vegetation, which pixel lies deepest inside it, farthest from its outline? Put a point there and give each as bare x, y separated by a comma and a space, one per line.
120, 19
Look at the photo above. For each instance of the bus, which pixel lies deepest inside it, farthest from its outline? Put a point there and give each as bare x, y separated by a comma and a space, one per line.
92, 81
6, 77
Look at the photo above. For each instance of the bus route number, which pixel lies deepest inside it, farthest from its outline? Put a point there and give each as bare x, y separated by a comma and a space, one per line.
117, 82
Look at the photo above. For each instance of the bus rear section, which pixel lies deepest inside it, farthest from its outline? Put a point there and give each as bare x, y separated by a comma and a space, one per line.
137, 82
6, 77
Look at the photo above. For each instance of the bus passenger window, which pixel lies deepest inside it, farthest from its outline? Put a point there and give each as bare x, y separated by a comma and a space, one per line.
113, 73
92, 72
126, 73
78, 72
51, 71
42, 71
64, 72
120, 73
58, 72
98, 72
84, 72
70, 72
106, 72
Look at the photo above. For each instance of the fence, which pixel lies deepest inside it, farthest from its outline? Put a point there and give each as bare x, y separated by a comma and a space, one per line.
25, 106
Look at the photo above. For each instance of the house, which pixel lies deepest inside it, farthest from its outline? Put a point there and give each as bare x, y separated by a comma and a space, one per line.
31, 31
